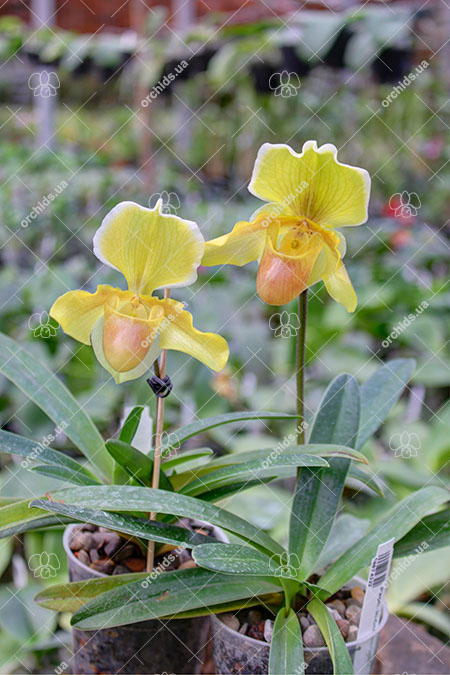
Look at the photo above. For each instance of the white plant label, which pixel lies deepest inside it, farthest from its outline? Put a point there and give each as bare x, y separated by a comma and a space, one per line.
372, 609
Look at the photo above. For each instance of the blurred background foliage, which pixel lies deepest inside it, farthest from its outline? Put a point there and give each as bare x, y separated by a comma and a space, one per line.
205, 129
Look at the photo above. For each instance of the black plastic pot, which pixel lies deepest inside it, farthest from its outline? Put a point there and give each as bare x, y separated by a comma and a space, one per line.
147, 647
392, 64
234, 653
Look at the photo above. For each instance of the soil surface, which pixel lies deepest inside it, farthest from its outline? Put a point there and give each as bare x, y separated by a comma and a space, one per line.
406, 647
344, 606
105, 551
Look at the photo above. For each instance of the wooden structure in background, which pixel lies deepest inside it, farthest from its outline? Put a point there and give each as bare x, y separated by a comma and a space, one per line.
90, 16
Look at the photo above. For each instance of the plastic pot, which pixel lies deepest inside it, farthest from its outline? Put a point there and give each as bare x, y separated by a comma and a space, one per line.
234, 653
154, 646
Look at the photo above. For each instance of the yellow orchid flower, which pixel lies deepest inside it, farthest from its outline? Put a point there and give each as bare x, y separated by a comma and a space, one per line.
128, 329
293, 236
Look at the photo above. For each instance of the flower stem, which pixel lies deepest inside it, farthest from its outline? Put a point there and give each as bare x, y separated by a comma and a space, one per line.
300, 365
159, 428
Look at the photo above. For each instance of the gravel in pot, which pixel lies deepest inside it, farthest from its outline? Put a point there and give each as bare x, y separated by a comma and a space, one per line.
154, 646
241, 640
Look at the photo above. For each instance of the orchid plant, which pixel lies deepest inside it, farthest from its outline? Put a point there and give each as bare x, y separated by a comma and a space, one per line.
295, 239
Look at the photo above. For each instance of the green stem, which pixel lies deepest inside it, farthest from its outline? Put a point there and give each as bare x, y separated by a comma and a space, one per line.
300, 365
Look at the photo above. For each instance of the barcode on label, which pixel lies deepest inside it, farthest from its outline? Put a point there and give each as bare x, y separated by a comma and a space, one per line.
380, 570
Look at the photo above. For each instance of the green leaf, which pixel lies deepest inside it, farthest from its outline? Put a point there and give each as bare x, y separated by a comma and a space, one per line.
34, 451
137, 465
380, 393
346, 531
228, 490
396, 523
166, 595
175, 438
260, 468
187, 456
70, 597
238, 559
18, 517
430, 533
268, 458
415, 575
427, 614
371, 480
318, 491
46, 391
131, 498
131, 424
64, 473
137, 527
6, 551
286, 647
342, 663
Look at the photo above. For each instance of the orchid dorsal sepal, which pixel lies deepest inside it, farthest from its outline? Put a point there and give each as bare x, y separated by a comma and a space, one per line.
294, 236
129, 328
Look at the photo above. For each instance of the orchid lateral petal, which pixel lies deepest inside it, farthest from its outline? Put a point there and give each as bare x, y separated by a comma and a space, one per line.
77, 312
242, 245
178, 333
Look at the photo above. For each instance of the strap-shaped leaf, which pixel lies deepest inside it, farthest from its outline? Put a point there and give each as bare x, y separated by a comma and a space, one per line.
175, 438
318, 491
260, 468
286, 648
396, 523
65, 474
371, 480
137, 465
220, 493
167, 594
346, 531
187, 456
267, 457
428, 614
45, 390
342, 663
18, 517
430, 533
239, 559
70, 597
130, 498
137, 527
380, 393
33, 451
131, 424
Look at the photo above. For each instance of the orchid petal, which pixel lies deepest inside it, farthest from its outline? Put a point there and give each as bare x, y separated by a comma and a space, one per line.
78, 311
152, 249
178, 332
282, 277
312, 183
242, 245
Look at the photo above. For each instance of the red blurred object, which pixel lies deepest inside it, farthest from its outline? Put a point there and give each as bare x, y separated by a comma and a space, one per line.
400, 239
403, 207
